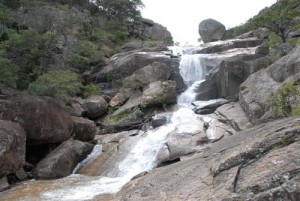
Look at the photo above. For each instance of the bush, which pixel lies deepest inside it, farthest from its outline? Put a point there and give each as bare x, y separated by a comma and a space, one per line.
8, 77
284, 100
90, 89
60, 84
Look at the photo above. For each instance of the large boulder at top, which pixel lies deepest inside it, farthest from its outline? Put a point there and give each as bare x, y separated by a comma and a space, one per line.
42, 118
125, 64
95, 106
84, 129
254, 92
62, 160
144, 76
261, 163
211, 30
12, 147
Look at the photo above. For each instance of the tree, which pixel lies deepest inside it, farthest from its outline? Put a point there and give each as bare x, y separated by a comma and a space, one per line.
279, 18
122, 10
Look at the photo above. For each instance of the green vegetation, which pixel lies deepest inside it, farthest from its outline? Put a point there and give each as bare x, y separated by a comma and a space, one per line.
90, 89
285, 101
60, 84
8, 77
278, 19
127, 115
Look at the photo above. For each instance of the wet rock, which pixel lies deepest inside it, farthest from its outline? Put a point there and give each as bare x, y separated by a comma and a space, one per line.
160, 119
12, 147
42, 118
208, 107
95, 106
260, 163
84, 129
62, 160
211, 30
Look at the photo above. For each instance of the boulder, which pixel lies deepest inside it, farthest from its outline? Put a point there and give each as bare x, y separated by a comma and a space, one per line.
148, 74
211, 30
160, 119
3, 184
254, 92
84, 129
118, 100
159, 93
62, 160
95, 106
125, 64
261, 163
12, 147
42, 118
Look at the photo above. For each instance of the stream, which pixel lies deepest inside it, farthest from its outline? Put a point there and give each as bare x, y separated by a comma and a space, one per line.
141, 157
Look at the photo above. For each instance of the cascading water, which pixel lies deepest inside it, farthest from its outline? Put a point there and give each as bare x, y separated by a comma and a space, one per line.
143, 156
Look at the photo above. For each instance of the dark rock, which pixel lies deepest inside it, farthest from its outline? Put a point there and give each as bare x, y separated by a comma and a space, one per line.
211, 30
62, 160
84, 129
21, 175
95, 106
262, 50
12, 147
42, 118
160, 119
208, 107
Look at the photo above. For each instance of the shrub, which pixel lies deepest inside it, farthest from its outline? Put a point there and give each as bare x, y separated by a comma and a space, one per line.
8, 77
90, 89
59, 84
284, 100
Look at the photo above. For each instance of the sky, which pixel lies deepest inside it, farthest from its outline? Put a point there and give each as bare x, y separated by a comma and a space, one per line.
182, 17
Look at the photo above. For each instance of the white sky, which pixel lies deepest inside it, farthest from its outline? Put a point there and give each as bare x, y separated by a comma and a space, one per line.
182, 17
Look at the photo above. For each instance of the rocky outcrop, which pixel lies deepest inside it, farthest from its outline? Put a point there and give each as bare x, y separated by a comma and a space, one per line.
95, 106
254, 92
125, 64
216, 47
12, 148
84, 129
208, 107
211, 30
151, 30
223, 80
261, 163
42, 118
62, 160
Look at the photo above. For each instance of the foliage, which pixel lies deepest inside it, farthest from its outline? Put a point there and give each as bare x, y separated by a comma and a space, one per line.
90, 89
124, 11
127, 115
8, 77
279, 19
284, 100
59, 84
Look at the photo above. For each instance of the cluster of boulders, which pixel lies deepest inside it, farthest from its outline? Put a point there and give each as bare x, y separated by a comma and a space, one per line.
39, 135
